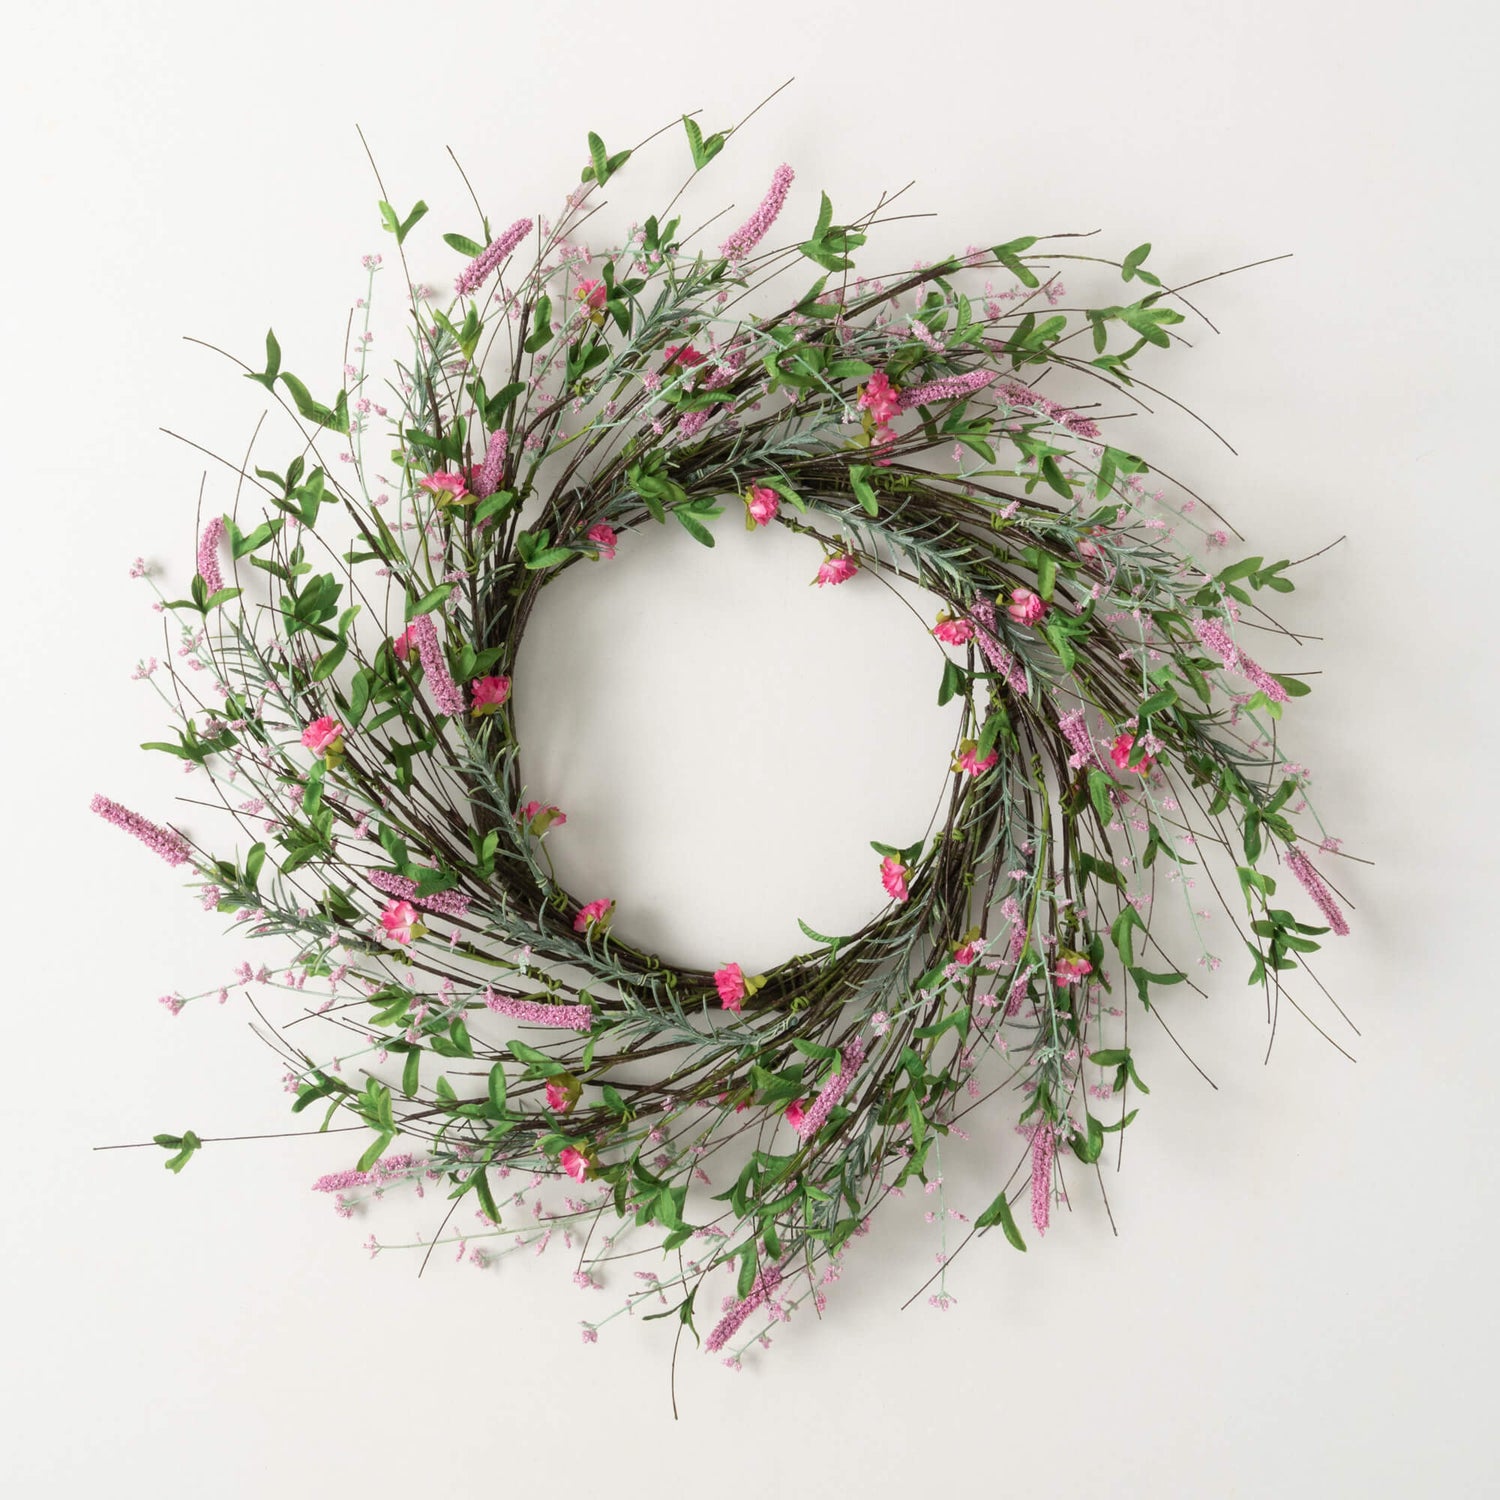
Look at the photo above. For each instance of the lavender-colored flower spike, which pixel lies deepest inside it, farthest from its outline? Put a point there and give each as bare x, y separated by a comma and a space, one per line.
946, 389
727, 1326
163, 841
208, 555
446, 903
754, 229
982, 614
1043, 1146
486, 478
1216, 638
1312, 883
832, 1091
393, 885
446, 693
383, 1171
573, 1017
477, 272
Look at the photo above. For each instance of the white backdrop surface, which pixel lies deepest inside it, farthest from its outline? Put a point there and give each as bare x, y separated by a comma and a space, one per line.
1301, 1298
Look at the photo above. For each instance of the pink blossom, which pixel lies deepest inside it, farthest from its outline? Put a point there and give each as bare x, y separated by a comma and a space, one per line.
953, 632
968, 759
1119, 752
478, 270
966, 955
1026, 607
485, 476
796, 1115
324, 736
402, 644
681, 356
539, 817
836, 570
754, 229
893, 877
762, 503
1313, 884
574, 1163
605, 538
208, 555
535, 1013
1071, 967
948, 388
561, 1094
593, 294
595, 914
730, 982
446, 487
1216, 638
489, 694
1043, 1147
880, 398
401, 922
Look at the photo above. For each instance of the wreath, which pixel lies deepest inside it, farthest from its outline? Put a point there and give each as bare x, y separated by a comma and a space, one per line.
341, 671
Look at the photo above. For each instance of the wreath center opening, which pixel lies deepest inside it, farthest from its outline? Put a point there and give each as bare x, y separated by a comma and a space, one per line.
725, 741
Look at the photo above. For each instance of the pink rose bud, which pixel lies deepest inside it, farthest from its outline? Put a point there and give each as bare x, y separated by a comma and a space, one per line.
604, 538
893, 877
574, 1163
1026, 607
761, 505
730, 982
324, 737
836, 570
1119, 752
489, 694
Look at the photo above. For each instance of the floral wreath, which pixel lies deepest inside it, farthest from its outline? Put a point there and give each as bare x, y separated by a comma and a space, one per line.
342, 681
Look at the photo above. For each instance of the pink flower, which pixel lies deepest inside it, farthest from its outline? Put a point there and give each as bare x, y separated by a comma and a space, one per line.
324, 736
604, 538
574, 1163
401, 922
593, 294
1119, 752
968, 759
562, 1093
730, 981
681, 356
595, 914
795, 1115
1026, 607
447, 488
753, 230
953, 632
762, 503
540, 817
966, 955
402, 644
1071, 967
893, 877
489, 693
836, 570
880, 398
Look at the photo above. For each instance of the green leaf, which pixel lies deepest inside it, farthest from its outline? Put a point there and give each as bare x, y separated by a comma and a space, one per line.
464, 245
273, 364
694, 527
1008, 256
401, 227
859, 482
999, 1213
497, 1089
952, 684
428, 602
1132, 262
375, 1151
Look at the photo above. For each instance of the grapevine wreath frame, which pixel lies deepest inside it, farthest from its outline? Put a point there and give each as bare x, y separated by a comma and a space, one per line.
1113, 730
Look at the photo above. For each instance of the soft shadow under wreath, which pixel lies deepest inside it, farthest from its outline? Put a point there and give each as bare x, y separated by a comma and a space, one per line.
340, 671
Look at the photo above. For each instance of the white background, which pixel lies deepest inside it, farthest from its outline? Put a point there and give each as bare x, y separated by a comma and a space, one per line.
1301, 1299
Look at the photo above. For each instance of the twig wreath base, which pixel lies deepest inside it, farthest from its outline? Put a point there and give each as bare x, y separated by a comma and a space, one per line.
345, 693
